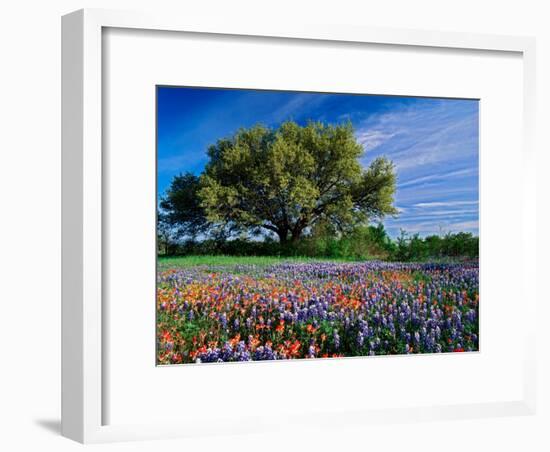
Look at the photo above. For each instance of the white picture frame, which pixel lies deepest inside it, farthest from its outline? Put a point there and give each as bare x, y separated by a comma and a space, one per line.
83, 348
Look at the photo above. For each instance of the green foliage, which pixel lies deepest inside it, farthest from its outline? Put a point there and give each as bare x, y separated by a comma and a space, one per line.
181, 211
290, 179
450, 246
361, 243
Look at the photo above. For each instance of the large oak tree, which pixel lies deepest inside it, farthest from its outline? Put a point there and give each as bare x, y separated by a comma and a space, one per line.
285, 180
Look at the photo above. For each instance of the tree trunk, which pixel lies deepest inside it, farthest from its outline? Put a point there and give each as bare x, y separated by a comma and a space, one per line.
296, 234
283, 236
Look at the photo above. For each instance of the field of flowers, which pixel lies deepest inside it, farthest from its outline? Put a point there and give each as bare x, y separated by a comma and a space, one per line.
212, 313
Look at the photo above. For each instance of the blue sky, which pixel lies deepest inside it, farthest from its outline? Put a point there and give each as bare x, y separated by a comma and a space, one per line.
434, 143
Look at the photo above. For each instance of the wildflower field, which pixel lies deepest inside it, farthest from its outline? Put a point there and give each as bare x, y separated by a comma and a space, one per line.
276, 309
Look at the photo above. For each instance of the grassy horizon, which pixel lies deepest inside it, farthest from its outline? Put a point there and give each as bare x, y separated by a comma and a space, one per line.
194, 260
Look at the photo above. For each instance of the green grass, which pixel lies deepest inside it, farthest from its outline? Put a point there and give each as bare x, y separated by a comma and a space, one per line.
190, 261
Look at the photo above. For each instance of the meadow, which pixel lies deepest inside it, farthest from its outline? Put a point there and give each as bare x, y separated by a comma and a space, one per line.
229, 308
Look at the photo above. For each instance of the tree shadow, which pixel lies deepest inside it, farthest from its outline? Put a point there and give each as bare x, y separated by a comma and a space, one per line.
51, 425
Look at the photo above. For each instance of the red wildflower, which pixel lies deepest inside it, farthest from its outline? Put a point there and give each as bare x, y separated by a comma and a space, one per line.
310, 328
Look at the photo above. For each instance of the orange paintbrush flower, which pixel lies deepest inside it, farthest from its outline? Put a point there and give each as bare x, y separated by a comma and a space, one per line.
280, 327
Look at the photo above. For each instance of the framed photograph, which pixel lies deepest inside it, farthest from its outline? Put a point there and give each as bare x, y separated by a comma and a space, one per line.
269, 227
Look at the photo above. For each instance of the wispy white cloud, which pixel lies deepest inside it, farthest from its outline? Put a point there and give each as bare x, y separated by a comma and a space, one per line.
289, 108
441, 213
438, 177
410, 196
445, 203
438, 217
297, 105
371, 139
422, 135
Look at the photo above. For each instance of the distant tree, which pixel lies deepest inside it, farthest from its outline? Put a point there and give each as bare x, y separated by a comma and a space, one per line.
434, 243
180, 208
288, 179
379, 235
417, 248
166, 242
402, 252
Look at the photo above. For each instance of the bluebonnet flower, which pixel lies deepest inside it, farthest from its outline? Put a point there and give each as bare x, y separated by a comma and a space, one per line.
336, 339
360, 339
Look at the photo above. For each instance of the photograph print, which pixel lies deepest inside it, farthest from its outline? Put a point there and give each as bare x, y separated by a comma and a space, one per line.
304, 225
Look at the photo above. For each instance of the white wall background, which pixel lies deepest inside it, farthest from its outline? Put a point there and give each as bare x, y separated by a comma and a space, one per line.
30, 223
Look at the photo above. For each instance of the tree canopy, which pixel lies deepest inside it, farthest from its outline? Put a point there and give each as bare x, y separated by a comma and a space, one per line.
181, 207
284, 180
